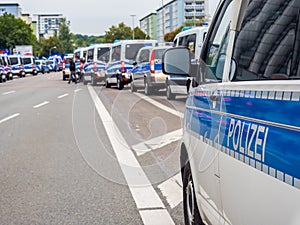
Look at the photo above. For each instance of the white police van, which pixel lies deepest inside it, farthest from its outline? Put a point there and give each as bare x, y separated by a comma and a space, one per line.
97, 57
123, 55
192, 38
240, 154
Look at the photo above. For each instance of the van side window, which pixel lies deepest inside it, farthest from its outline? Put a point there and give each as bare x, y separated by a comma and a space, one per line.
217, 46
90, 55
268, 44
116, 53
144, 56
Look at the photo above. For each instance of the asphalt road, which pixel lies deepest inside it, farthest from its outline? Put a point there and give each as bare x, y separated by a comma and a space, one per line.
75, 154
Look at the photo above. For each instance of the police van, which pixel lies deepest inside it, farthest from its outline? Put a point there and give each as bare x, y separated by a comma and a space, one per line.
96, 60
192, 38
240, 154
123, 55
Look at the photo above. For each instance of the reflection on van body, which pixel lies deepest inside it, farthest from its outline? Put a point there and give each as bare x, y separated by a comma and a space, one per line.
240, 152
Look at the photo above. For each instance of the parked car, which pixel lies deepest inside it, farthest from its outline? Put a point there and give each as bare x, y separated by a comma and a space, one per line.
121, 62
29, 65
148, 71
240, 155
7, 67
192, 38
96, 60
17, 67
42, 67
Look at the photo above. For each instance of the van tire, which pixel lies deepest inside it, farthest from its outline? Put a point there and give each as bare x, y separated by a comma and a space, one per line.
148, 90
190, 208
107, 84
133, 87
120, 84
170, 95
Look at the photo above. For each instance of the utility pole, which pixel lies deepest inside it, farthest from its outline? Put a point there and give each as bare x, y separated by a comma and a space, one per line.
132, 26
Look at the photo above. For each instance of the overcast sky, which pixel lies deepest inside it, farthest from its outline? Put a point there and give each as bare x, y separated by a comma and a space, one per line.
92, 17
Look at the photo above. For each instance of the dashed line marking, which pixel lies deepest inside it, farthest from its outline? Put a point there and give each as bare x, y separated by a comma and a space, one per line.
8, 92
172, 190
41, 104
77, 90
62, 96
9, 117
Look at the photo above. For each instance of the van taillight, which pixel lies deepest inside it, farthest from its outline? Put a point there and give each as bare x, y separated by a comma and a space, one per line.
95, 66
122, 66
152, 63
32, 66
6, 68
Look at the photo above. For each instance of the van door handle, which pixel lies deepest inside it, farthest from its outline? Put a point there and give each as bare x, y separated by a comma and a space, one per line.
214, 98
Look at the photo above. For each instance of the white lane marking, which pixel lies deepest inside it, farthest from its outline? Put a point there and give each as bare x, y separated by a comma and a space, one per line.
62, 96
8, 92
172, 190
9, 117
41, 104
159, 105
139, 185
157, 142
77, 90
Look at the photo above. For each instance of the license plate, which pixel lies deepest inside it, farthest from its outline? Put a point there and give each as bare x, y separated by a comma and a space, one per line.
87, 78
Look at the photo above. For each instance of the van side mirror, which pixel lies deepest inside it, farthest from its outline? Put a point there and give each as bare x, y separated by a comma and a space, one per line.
176, 61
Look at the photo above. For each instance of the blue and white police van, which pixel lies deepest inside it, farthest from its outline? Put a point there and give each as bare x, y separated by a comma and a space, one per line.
192, 38
240, 152
97, 57
17, 67
123, 55
29, 65
6, 67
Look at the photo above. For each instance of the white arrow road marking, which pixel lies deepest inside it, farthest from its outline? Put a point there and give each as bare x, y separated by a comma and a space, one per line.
41, 104
172, 190
157, 142
62, 96
9, 117
147, 200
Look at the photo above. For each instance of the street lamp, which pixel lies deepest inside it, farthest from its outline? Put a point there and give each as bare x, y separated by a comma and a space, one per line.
132, 26
162, 20
51, 49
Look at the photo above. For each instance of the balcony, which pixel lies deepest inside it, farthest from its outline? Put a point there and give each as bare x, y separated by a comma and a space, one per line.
187, 7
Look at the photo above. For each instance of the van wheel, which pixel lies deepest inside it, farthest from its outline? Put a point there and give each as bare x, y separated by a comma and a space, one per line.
170, 95
107, 85
190, 208
120, 84
148, 90
132, 87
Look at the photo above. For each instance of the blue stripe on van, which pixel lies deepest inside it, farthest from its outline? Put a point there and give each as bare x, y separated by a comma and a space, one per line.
261, 129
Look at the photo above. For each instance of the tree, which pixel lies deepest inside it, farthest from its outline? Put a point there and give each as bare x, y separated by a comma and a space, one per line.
14, 31
65, 37
169, 37
123, 32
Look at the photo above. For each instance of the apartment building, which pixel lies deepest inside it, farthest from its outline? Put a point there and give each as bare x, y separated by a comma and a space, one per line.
177, 12
11, 8
48, 24
148, 25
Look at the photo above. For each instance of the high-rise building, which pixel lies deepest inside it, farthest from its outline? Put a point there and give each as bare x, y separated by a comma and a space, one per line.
148, 25
11, 8
48, 24
175, 13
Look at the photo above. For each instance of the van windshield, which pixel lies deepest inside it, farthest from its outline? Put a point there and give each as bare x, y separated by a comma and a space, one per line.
27, 60
132, 50
14, 61
103, 54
